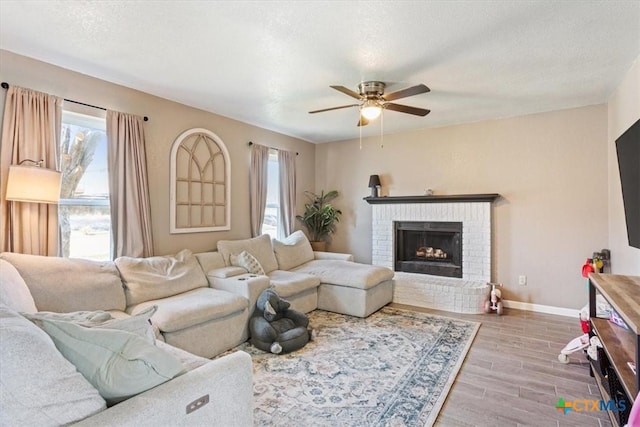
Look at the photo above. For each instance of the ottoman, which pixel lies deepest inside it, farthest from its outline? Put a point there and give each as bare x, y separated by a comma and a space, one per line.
350, 288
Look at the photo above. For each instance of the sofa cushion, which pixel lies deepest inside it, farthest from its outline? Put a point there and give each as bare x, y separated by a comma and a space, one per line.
346, 273
157, 277
248, 262
38, 386
260, 247
118, 364
192, 308
14, 292
67, 284
293, 251
287, 283
210, 260
140, 324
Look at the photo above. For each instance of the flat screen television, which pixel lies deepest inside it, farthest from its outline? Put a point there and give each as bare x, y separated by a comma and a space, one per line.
628, 148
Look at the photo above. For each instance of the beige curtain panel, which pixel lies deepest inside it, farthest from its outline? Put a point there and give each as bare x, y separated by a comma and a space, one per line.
287, 168
128, 186
30, 130
258, 187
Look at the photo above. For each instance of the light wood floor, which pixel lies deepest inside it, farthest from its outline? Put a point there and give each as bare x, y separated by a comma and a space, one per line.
512, 377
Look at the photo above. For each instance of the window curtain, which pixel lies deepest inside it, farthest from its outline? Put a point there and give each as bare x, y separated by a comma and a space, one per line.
258, 187
287, 171
128, 186
30, 130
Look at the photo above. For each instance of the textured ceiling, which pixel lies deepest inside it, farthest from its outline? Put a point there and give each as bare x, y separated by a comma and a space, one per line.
270, 62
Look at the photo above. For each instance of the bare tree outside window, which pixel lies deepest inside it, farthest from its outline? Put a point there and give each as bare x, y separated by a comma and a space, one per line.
83, 213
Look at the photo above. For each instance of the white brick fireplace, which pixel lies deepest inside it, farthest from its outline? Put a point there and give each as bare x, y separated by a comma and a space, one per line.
464, 295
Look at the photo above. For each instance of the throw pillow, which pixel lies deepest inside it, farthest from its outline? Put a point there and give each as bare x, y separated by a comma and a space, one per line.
247, 261
118, 364
139, 324
38, 386
260, 247
293, 251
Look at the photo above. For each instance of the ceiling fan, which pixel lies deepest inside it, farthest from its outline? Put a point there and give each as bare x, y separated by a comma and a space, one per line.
373, 100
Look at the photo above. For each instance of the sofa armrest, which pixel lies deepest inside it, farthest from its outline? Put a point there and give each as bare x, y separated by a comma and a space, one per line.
225, 272
227, 382
332, 255
245, 285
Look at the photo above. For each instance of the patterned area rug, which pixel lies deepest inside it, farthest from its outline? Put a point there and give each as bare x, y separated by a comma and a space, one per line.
393, 368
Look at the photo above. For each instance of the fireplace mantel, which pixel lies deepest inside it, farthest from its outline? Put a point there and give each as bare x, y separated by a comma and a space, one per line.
447, 198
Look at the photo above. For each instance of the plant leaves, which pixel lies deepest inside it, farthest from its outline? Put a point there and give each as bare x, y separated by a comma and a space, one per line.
320, 216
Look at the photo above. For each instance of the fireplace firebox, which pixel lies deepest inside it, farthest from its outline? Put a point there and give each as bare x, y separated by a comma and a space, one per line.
428, 247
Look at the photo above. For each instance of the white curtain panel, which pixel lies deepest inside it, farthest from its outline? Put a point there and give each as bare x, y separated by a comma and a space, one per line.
128, 186
30, 130
258, 187
287, 169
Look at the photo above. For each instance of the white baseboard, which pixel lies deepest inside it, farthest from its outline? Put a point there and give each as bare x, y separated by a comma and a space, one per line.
539, 308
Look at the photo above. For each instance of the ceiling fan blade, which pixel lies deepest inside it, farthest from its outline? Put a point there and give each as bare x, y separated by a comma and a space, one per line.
410, 91
363, 121
346, 91
334, 108
406, 109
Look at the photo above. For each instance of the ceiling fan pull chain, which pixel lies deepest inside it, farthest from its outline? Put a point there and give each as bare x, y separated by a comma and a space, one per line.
382, 128
360, 129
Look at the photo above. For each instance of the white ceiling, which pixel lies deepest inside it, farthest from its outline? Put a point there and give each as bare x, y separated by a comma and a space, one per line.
270, 62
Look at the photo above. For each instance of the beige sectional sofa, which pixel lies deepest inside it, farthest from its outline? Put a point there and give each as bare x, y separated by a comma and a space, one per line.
199, 306
190, 315
316, 280
39, 384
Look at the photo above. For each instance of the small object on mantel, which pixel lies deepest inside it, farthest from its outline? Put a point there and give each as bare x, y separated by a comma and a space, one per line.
374, 184
428, 192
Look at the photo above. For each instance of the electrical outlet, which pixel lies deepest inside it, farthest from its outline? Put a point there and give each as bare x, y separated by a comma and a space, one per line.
522, 280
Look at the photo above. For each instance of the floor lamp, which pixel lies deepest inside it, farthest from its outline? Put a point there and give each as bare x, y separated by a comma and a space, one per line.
31, 184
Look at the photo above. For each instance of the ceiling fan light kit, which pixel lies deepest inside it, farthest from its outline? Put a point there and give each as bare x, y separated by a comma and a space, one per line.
370, 110
373, 100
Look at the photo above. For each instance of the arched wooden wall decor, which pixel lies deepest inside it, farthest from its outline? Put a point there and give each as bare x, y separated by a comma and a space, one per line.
200, 183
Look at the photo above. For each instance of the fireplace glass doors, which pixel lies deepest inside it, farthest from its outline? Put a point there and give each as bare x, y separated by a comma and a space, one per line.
429, 247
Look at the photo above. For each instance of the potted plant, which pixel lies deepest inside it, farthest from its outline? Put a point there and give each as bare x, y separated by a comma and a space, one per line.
320, 218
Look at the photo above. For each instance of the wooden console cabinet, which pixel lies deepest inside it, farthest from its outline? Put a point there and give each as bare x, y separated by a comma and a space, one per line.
613, 375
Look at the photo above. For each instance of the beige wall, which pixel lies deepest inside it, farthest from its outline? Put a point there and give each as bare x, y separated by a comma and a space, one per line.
623, 111
550, 168
167, 120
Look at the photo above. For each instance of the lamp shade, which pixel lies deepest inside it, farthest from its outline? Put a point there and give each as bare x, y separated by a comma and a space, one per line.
33, 184
374, 181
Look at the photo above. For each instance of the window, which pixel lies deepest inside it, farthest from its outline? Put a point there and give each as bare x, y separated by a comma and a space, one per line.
83, 211
271, 224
